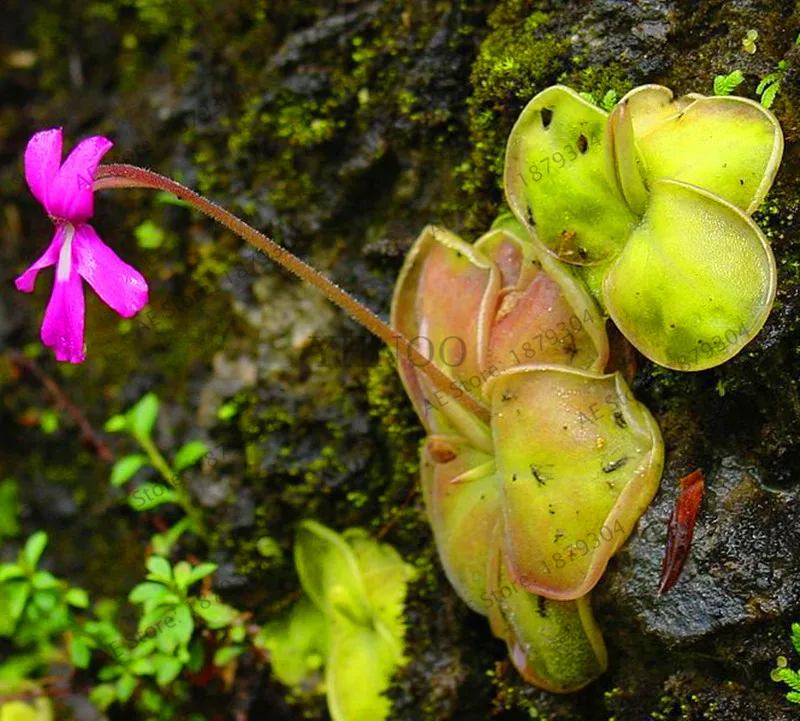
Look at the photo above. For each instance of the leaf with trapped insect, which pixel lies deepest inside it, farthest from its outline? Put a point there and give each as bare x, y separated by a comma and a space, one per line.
530, 336
655, 198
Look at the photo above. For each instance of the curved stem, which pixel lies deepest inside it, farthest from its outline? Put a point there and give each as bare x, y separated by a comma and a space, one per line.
131, 176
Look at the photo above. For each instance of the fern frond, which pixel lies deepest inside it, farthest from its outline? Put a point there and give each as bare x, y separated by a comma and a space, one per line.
793, 696
726, 84
768, 96
789, 677
796, 636
767, 80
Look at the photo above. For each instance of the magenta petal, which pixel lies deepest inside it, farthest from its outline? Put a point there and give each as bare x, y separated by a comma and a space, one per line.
70, 195
49, 257
42, 160
120, 286
62, 327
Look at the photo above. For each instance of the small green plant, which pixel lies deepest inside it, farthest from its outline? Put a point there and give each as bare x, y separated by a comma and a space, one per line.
165, 643
783, 674
35, 606
608, 101
726, 84
138, 422
749, 42
351, 620
770, 85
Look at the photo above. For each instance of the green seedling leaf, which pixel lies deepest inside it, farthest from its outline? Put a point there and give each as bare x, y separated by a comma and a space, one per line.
125, 686
181, 572
160, 569
77, 597
143, 415
557, 183
150, 593
34, 547
43, 580
223, 656
592, 437
79, 652
9, 571
13, 597
116, 424
201, 571
189, 454
695, 282
168, 670
103, 695
216, 615
151, 495
125, 468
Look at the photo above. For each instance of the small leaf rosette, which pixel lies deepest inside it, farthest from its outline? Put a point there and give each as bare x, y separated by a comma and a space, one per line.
358, 586
655, 201
567, 454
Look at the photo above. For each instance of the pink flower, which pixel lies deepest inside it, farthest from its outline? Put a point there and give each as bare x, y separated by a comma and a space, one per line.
65, 191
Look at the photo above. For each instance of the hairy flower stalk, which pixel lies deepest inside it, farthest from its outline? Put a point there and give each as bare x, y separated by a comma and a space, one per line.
130, 176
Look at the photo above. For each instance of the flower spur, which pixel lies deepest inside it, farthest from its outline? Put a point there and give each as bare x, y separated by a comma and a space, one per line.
66, 192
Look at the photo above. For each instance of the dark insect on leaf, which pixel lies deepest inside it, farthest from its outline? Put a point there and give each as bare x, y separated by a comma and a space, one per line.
680, 529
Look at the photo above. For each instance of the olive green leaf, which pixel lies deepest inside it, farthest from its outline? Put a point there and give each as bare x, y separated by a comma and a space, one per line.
562, 435
557, 182
695, 282
729, 146
555, 645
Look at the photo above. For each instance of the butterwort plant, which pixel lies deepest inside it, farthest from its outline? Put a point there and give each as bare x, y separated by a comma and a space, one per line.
652, 201
538, 460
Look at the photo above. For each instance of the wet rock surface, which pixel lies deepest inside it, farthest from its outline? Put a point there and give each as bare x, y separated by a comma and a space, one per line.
341, 129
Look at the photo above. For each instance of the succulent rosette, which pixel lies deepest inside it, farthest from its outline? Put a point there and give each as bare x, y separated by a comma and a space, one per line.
567, 458
654, 202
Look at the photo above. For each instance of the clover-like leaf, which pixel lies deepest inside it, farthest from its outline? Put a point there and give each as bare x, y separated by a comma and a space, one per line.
730, 146
695, 282
463, 504
329, 572
578, 461
555, 645
556, 179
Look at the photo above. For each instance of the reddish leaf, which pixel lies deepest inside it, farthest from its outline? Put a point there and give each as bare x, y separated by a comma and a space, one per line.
680, 529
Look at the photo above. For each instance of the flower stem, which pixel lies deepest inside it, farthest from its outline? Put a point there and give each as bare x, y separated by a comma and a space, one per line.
161, 465
131, 176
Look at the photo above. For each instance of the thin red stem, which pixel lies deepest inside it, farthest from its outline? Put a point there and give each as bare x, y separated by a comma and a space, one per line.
131, 176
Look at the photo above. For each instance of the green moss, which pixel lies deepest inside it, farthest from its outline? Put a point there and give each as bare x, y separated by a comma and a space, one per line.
516, 59
597, 81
